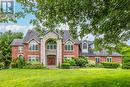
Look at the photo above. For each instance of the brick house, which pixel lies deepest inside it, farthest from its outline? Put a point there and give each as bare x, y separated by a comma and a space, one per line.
53, 47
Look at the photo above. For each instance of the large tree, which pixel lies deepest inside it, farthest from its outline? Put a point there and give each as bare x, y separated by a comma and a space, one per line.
108, 20
5, 45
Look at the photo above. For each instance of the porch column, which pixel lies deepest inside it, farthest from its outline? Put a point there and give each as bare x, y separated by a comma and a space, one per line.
59, 52
42, 52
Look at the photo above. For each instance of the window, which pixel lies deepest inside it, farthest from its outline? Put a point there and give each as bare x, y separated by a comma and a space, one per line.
84, 45
97, 59
33, 58
69, 46
51, 46
7, 6
33, 46
20, 49
109, 59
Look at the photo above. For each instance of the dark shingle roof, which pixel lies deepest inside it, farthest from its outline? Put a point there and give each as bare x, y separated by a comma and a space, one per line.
101, 54
67, 36
31, 34
17, 42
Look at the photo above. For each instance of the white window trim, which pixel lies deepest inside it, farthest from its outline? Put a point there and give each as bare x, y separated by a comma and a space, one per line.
33, 42
83, 45
33, 57
53, 46
69, 44
96, 59
108, 59
20, 49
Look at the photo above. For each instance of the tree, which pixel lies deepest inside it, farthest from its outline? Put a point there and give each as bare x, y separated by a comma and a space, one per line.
126, 57
5, 48
108, 20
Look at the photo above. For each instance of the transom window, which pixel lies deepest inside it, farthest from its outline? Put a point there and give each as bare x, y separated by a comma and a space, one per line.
97, 59
84, 45
109, 59
33, 46
33, 58
69, 46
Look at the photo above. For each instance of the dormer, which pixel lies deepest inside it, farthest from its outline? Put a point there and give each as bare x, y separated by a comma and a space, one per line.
84, 47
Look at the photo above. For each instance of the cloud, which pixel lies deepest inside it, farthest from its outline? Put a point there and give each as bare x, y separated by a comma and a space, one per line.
15, 27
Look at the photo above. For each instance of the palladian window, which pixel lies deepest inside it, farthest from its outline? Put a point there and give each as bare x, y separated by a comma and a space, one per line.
69, 46
33, 46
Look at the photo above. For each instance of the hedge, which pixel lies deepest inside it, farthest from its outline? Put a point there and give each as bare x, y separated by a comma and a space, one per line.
65, 66
110, 64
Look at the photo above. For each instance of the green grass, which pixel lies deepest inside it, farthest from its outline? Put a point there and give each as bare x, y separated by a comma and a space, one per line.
65, 78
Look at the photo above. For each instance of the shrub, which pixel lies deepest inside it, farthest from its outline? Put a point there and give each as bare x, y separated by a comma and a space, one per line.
33, 65
65, 66
81, 61
91, 63
14, 65
71, 61
21, 62
110, 65
126, 65
1, 65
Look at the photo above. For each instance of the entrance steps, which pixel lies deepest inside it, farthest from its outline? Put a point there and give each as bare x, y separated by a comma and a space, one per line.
52, 66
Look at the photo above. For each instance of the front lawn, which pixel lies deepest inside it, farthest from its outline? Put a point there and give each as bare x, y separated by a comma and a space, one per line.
65, 78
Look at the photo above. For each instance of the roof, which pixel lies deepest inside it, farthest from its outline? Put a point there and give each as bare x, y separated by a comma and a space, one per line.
67, 36
17, 42
101, 54
31, 34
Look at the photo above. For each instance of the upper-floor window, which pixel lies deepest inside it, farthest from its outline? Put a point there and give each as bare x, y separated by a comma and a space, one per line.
97, 59
33, 46
20, 49
51, 46
109, 59
84, 45
69, 46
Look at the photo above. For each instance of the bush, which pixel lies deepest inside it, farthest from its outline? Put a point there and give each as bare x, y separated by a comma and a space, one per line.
110, 65
33, 65
14, 65
81, 61
71, 61
91, 63
126, 65
65, 66
1, 65
21, 62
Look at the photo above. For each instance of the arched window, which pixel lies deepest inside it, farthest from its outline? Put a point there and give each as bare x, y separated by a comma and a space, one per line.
51, 44
84, 45
69, 46
33, 46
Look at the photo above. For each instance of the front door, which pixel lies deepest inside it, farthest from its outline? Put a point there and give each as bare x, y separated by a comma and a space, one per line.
51, 60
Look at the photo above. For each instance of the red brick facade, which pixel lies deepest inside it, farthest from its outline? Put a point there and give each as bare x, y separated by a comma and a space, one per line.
117, 59
59, 51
